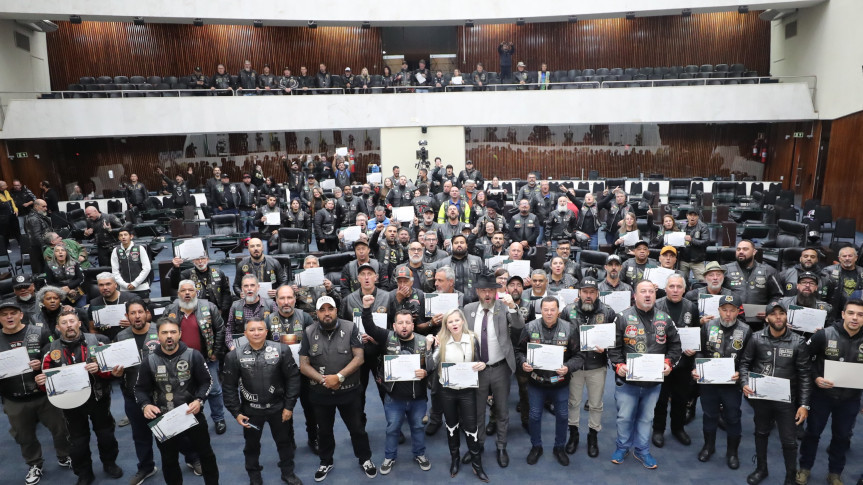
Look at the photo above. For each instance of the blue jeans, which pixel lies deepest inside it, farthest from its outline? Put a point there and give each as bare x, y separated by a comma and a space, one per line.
559, 396
730, 397
635, 416
539, 239
843, 414
217, 405
395, 411
593, 244
247, 224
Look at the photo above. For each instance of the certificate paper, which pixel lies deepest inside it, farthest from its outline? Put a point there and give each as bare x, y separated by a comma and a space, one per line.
659, 276
374, 178
310, 277
494, 261
352, 234
459, 375
708, 305
567, 296
189, 249
404, 214
545, 357
676, 239
690, 338
805, 319
715, 370
14, 362
616, 300
328, 184
519, 268
645, 367
124, 353
401, 367
751, 311
109, 316
172, 423
439, 303
601, 336
273, 218
380, 320
841, 374
264, 288
630, 238
68, 378
456, 80
769, 388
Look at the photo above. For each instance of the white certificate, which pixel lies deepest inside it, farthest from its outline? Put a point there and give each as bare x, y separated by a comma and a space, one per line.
69, 378
456, 80
159, 311
769, 388
439, 303
616, 300
420, 78
593, 336
659, 276
295, 349
752, 311
519, 268
545, 357
190, 248
401, 367
805, 319
374, 178
328, 184
494, 261
109, 316
273, 218
567, 295
124, 353
715, 370
459, 374
842, 374
264, 288
342, 151
14, 362
352, 234
630, 238
708, 305
645, 367
380, 319
690, 338
310, 277
172, 423
676, 239
404, 214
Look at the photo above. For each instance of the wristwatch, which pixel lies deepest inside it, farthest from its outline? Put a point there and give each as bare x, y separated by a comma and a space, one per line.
808, 408
341, 378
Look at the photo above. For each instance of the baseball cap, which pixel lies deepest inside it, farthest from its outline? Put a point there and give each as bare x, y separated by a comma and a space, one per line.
666, 249
515, 277
810, 275
362, 241
732, 300
692, 210
612, 258
589, 282
775, 304
347, 69
713, 266
325, 300
428, 209
366, 266
22, 280
10, 304
225, 175
641, 242
520, 64
247, 175
404, 272
492, 204
468, 162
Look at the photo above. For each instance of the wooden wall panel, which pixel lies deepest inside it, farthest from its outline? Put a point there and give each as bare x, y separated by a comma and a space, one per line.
844, 170
115, 48
644, 42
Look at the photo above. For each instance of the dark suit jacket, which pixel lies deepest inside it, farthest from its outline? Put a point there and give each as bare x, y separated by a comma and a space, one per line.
503, 320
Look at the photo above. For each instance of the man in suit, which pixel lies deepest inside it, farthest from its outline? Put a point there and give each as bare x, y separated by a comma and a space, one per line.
490, 319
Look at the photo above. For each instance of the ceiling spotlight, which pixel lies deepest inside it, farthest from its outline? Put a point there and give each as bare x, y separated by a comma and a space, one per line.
743, 9
468, 23
630, 15
313, 24
366, 25
75, 19
258, 24
138, 20
198, 22
519, 22
687, 12
572, 19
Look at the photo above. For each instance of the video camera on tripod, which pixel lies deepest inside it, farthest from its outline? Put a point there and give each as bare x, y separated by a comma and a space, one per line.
423, 156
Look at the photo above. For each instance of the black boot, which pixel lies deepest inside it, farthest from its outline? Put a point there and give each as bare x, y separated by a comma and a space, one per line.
592, 446
709, 447
476, 464
572, 444
453, 440
475, 454
790, 455
455, 462
760, 472
731, 454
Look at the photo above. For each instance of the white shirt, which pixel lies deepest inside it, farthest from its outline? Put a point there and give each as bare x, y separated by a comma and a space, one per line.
494, 353
140, 281
456, 351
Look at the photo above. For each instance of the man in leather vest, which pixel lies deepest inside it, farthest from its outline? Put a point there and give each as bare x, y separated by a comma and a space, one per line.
524, 226
211, 282
74, 347
389, 253
247, 202
837, 343
348, 206
262, 383
37, 225
99, 227
349, 281
323, 80
612, 281
221, 80
247, 80
755, 282
23, 401
250, 306
697, 239
267, 81
331, 354
325, 228
180, 195
809, 261
466, 267
640, 329
807, 297
109, 294
171, 376
423, 273
587, 310
307, 83
843, 279
470, 173
136, 193
265, 268
288, 83
130, 265
714, 276
632, 270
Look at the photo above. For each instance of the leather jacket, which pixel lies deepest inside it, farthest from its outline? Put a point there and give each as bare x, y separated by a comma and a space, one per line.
786, 357
262, 381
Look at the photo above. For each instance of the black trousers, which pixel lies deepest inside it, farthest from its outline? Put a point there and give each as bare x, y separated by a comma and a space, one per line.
200, 439
78, 423
676, 389
436, 408
782, 414
459, 409
350, 409
104, 255
308, 409
283, 435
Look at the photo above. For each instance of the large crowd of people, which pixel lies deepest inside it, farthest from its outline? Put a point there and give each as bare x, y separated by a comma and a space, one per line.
520, 305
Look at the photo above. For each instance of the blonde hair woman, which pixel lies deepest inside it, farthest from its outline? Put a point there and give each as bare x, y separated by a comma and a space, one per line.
455, 343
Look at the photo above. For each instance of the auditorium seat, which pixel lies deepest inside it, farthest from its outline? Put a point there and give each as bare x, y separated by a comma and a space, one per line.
706, 68
137, 80
121, 80
154, 80
616, 71
660, 71
630, 71
573, 73
104, 80
588, 72
602, 71
720, 68
645, 71
737, 68
87, 80
116, 90
167, 90
170, 80
690, 69
95, 90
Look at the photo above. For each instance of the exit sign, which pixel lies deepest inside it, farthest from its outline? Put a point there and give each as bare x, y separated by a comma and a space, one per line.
21, 155
799, 134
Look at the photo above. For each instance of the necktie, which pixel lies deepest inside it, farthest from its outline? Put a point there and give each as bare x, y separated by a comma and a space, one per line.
483, 346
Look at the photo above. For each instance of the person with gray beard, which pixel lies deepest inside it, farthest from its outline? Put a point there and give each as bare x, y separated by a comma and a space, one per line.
250, 306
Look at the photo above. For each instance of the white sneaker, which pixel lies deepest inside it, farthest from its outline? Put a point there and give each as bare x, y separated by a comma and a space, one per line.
387, 466
33, 476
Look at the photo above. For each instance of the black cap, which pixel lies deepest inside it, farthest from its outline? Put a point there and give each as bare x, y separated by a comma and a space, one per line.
10, 304
22, 280
589, 282
515, 277
492, 204
428, 209
733, 300
641, 242
612, 258
692, 210
366, 266
773, 305
810, 275
361, 241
